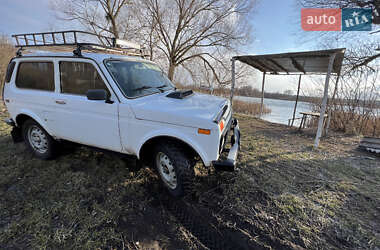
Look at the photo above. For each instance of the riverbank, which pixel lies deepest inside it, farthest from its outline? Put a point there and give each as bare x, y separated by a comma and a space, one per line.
284, 195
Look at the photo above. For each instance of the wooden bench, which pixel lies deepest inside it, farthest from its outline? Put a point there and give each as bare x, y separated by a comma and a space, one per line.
305, 115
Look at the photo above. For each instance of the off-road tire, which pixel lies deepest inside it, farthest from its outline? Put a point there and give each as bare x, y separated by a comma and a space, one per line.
184, 168
51, 143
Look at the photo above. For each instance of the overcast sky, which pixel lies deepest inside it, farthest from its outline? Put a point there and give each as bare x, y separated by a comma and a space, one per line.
275, 29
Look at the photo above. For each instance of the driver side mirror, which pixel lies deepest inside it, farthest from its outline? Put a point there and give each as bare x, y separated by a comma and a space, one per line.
98, 95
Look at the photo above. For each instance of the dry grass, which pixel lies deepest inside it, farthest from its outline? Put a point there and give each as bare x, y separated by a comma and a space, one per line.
355, 124
284, 195
318, 199
352, 124
7, 51
249, 108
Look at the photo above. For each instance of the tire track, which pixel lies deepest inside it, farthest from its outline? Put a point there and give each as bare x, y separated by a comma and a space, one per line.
205, 227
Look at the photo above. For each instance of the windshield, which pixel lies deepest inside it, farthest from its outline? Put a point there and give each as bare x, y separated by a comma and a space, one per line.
138, 78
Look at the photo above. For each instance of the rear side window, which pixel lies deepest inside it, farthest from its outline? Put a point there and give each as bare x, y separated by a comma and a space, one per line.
35, 75
79, 77
10, 69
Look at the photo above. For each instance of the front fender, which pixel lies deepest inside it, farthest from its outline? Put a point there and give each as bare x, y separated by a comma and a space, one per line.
177, 135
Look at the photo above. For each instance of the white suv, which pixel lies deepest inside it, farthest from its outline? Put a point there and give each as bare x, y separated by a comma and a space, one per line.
124, 104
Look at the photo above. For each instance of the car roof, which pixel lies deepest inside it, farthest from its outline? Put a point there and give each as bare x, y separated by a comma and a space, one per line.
98, 57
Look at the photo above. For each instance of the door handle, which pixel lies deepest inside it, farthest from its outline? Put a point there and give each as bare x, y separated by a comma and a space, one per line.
60, 102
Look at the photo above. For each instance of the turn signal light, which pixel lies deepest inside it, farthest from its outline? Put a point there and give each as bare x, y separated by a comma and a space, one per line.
221, 125
204, 131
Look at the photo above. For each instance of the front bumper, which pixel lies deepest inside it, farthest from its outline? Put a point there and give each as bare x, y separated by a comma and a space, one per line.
229, 163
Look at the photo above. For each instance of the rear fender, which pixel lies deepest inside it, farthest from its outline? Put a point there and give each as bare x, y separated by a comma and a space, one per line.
35, 117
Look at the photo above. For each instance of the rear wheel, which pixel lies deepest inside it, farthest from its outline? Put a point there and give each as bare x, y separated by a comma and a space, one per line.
174, 168
39, 142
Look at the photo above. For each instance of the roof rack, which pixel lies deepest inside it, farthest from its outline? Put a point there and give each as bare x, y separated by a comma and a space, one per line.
80, 40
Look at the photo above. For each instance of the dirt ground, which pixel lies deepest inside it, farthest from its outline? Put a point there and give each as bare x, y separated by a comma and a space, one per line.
284, 195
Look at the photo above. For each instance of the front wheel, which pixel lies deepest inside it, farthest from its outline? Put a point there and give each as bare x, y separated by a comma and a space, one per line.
174, 168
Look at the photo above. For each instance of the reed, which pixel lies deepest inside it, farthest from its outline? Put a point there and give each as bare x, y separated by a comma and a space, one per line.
249, 108
353, 123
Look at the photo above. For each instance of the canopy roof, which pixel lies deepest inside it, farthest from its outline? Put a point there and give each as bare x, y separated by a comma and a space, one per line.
310, 62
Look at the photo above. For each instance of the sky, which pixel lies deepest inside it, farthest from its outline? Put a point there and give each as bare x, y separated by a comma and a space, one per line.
23, 16
275, 29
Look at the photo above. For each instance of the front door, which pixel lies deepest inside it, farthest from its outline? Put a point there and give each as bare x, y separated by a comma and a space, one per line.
93, 123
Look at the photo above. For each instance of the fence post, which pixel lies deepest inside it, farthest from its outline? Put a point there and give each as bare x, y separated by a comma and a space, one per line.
262, 95
233, 78
333, 103
295, 105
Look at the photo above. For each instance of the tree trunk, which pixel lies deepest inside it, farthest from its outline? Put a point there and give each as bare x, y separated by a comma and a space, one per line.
111, 16
171, 71
114, 27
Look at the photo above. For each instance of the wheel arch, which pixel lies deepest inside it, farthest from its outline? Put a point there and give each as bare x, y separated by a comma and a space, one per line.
22, 117
148, 146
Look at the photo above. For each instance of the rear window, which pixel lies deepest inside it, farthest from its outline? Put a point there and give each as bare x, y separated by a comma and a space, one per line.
10, 69
79, 77
36, 75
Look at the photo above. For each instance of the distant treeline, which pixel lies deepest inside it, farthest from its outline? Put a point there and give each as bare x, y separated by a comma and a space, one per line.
253, 92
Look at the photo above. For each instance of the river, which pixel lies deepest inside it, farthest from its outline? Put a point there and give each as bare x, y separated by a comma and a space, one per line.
281, 110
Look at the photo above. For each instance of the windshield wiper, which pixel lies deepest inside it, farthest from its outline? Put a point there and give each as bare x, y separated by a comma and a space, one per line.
151, 87
160, 88
143, 87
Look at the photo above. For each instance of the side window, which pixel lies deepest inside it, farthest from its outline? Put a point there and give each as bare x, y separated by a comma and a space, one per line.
78, 77
35, 75
10, 69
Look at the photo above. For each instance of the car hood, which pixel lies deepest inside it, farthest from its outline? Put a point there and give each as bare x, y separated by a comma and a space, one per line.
196, 110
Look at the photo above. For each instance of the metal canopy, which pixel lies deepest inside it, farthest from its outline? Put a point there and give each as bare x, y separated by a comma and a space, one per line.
325, 62
310, 62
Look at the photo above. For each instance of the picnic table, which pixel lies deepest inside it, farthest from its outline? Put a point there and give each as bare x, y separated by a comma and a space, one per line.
305, 115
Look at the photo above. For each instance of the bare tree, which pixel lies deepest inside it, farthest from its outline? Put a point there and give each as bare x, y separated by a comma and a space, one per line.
175, 31
356, 106
7, 51
99, 16
203, 76
372, 4
365, 58
355, 101
197, 29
